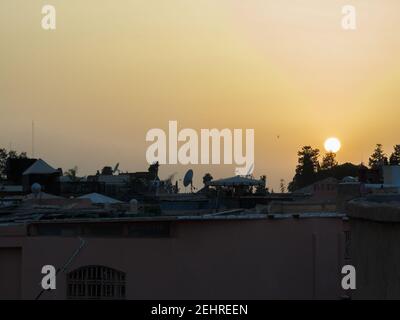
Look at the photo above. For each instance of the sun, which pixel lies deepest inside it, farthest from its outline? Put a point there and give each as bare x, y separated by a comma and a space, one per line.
332, 145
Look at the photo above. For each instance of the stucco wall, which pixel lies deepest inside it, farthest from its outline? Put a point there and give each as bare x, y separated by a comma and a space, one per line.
10, 273
228, 259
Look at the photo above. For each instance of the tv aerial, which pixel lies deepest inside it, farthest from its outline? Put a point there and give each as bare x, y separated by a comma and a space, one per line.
116, 168
188, 179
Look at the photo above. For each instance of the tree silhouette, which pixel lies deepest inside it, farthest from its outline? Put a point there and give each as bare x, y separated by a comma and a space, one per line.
72, 174
5, 155
378, 158
329, 161
306, 169
282, 185
153, 170
261, 189
395, 156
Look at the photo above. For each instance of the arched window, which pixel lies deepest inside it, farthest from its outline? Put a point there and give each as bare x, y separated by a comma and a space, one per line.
96, 282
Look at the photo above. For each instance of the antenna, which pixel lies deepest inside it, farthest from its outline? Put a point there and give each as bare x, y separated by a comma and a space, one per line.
250, 169
188, 179
116, 168
33, 139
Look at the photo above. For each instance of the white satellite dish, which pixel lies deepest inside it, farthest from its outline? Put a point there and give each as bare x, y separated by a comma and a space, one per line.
36, 188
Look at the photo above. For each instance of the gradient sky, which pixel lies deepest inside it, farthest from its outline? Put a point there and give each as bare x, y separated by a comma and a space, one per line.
115, 69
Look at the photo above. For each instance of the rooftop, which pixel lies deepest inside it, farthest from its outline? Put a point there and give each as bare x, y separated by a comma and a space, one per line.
39, 167
379, 208
61, 215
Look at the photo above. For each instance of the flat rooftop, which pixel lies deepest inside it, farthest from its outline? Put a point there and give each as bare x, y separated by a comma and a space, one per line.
51, 215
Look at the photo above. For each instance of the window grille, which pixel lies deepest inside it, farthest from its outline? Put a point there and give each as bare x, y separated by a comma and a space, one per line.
96, 282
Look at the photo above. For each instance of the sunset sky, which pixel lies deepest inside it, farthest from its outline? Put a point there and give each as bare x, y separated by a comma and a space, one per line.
115, 69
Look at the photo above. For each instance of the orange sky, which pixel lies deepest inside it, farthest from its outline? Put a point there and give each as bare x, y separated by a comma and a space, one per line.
115, 69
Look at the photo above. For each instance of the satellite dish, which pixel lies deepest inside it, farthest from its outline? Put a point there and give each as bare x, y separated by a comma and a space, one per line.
36, 188
188, 178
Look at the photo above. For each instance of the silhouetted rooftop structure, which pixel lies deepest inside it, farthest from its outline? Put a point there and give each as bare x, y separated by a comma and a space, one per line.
40, 167
97, 198
235, 181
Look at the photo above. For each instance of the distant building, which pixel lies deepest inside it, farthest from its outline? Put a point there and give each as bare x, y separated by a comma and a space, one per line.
97, 198
323, 190
348, 190
391, 175
42, 173
10, 190
124, 185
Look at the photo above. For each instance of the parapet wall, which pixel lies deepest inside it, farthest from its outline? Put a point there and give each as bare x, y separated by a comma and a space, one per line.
374, 211
296, 207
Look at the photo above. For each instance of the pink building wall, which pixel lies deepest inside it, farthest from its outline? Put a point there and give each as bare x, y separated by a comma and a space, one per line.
212, 259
